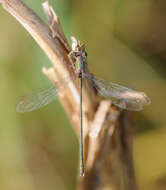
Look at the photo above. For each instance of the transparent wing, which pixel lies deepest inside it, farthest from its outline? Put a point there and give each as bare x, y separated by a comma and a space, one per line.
121, 96
41, 98
37, 100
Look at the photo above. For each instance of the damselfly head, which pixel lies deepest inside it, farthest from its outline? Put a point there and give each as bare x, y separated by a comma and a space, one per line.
78, 48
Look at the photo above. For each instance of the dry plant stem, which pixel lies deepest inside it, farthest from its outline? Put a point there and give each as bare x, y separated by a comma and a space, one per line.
95, 130
126, 150
55, 25
113, 144
101, 146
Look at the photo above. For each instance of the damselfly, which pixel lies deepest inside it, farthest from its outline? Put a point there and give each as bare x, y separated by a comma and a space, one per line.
120, 96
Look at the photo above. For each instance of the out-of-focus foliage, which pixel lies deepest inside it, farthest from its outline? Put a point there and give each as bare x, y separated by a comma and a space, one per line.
126, 43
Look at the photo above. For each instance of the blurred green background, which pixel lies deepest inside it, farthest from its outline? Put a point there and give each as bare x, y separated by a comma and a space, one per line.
126, 44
